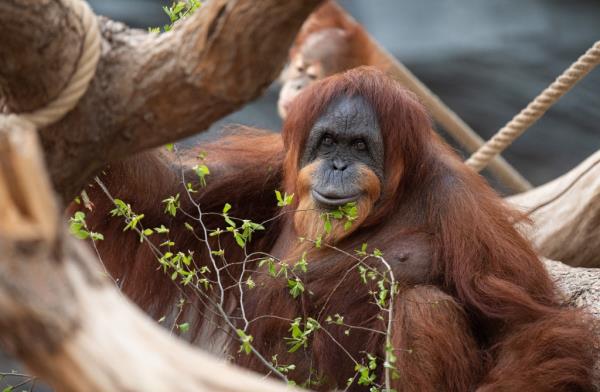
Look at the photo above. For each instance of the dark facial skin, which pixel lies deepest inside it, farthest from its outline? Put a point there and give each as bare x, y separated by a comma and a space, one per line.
344, 137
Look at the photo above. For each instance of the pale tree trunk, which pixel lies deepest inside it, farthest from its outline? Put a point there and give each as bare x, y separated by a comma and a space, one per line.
64, 318
566, 215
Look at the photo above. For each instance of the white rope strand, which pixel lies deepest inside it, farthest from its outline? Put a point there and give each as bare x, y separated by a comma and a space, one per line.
86, 68
536, 109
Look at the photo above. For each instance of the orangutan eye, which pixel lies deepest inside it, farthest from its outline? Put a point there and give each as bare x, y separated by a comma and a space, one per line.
327, 140
312, 76
360, 145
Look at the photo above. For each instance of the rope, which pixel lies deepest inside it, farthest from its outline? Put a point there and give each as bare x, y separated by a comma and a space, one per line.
447, 118
80, 80
20, 144
528, 116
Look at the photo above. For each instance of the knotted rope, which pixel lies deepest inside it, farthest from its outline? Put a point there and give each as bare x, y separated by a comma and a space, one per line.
536, 109
80, 80
23, 213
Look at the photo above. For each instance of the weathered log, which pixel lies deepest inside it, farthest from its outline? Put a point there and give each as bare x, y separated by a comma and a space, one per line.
579, 286
63, 317
566, 215
72, 327
149, 89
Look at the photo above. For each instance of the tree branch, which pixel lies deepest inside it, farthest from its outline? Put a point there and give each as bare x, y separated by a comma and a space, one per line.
566, 215
63, 317
149, 89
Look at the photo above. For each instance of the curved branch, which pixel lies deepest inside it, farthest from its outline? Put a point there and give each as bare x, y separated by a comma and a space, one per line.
63, 317
566, 215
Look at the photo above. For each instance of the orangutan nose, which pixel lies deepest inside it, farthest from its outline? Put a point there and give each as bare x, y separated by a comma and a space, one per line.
339, 164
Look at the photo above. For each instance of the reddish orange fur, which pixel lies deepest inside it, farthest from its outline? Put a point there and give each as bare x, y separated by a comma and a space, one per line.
327, 16
307, 220
499, 324
496, 283
358, 49
242, 176
433, 329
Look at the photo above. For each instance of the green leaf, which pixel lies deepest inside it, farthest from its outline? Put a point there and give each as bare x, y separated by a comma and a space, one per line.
296, 287
121, 209
318, 241
347, 225
219, 252
172, 204
190, 188
337, 214
161, 230
284, 200
96, 236
328, 226
239, 239
302, 264
133, 222
246, 341
201, 171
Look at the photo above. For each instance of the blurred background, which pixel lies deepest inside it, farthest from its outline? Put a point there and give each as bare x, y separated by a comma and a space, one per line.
485, 59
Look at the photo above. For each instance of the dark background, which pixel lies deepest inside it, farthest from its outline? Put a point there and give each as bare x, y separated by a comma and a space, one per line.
485, 59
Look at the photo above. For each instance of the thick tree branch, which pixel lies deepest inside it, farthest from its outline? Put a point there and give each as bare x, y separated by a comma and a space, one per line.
149, 89
566, 215
73, 328
65, 319
580, 286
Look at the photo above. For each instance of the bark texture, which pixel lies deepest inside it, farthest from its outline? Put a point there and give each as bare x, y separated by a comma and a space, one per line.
566, 215
580, 286
63, 317
149, 89
41, 42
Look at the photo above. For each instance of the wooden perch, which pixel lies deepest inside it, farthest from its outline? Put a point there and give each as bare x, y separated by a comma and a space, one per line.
580, 286
566, 215
149, 89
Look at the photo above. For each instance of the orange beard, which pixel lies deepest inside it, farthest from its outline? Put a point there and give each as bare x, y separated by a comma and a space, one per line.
308, 220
